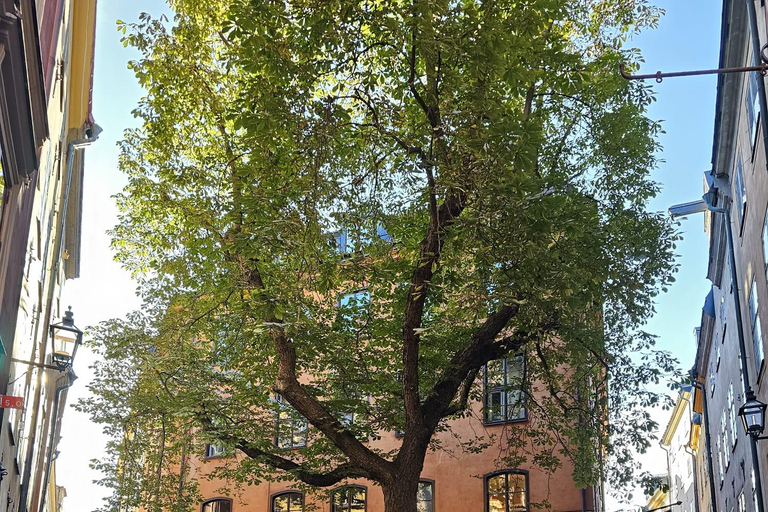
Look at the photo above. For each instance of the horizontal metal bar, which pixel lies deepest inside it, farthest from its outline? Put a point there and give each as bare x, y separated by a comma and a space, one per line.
659, 76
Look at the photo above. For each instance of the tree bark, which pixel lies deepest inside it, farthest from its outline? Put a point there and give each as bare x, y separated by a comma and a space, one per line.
400, 495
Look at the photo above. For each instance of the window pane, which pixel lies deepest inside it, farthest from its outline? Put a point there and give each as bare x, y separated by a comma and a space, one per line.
497, 503
515, 371
297, 502
517, 498
495, 374
497, 493
425, 491
765, 241
494, 408
225, 506
214, 450
741, 196
424, 497
340, 502
515, 409
280, 503
357, 499
299, 439
507, 493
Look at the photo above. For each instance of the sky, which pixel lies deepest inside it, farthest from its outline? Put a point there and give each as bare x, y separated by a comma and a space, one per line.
687, 39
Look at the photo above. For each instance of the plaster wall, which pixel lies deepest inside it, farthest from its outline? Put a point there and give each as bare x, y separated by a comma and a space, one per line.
457, 475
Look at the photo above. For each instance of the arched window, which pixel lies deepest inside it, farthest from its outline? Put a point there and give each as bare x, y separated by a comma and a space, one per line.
217, 505
351, 498
290, 501
506, 491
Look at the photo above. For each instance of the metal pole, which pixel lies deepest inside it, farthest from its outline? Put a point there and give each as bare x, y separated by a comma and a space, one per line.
44, 490
708, 443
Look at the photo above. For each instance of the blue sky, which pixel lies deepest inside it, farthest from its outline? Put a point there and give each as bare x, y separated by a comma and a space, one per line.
687, 38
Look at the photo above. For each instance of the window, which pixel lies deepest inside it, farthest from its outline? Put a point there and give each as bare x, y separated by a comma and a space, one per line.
720, 461
290, 501
504, 394
724, 434
723, 320
348, 499
765, 243
353, 309
753, 104
349, 241
717, 366
214, 450
290, 427
360, 298
506, 491
217, 505
425, 499
757, 334
739, 191
732, 413
741, 378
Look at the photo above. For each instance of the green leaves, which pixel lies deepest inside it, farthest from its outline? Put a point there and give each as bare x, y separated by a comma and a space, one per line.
269, 129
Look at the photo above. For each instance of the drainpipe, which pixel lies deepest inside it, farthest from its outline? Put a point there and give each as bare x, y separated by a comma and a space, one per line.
757, 57
57, 394
707, 440
669, 473
92, 134
709, 198
690, 452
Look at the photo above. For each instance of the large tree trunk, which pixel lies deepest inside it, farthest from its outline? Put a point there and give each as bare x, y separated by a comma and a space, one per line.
400, 496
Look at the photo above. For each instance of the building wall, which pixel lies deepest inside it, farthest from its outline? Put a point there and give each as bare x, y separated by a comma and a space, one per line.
458, 477
680, 460
738, 158
24, 434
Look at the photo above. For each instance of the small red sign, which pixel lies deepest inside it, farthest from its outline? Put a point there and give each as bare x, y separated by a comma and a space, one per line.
11, 402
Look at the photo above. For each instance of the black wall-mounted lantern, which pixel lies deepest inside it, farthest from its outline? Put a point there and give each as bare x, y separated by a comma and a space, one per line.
753, 415
65, 339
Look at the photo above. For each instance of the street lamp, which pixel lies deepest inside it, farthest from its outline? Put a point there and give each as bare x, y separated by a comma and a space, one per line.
65, 338
753, 415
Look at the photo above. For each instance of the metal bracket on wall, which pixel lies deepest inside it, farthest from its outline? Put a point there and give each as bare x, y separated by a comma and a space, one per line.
659, 76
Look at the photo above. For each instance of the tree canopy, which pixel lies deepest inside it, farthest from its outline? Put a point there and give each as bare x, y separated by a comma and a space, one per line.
350, 207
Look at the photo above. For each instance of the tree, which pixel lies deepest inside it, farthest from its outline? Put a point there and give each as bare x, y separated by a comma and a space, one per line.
480, 169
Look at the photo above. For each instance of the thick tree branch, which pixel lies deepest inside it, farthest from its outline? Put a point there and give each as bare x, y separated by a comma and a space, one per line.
480, 349
307, 476
464, 390
289, 387
287, 384
429, 255
310, 477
